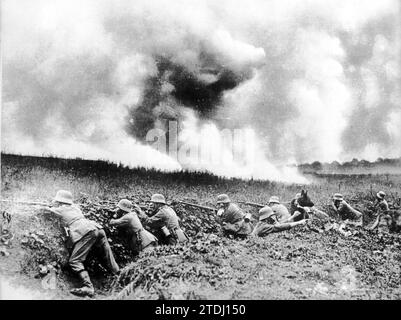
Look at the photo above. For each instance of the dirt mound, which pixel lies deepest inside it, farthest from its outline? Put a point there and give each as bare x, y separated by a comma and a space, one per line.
170, 272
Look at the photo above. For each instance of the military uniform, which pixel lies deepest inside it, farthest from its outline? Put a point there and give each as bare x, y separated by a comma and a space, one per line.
140, 238
233, 221
166, 217
263, 228
84, 234
384, 220
383, 206
346, 212
281, 211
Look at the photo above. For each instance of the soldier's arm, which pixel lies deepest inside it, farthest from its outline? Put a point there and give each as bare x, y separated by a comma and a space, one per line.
288, 225
291, 219
156, 221
320, 214
332, 205
143, 217
139, 210
123, 221
52, 210
231, 226
282, 226
375, 224
255, 230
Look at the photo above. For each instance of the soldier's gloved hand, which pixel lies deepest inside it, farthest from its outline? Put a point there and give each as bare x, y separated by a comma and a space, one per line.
304, 222
220, 212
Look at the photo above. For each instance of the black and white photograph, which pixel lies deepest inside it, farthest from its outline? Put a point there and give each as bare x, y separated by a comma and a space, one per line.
200, 150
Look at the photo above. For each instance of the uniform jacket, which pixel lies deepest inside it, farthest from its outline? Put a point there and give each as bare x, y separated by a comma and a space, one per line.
232, 214
383, 205
347, 212
233, 221
384, 220
263, 228
131, 222
166, 216
281, 211
72, 217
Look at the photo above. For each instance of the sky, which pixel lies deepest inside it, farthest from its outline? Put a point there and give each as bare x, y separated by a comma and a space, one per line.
303, 80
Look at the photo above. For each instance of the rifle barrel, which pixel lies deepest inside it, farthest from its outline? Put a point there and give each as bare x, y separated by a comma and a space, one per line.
26, 202
253, 204
197, 206
259, 204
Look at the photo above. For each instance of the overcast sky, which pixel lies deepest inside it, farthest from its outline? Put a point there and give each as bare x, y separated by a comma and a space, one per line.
315, 80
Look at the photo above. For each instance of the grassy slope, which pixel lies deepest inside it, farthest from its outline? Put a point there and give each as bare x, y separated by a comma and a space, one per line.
294, 264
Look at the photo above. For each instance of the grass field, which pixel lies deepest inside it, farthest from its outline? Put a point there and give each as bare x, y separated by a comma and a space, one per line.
296, 264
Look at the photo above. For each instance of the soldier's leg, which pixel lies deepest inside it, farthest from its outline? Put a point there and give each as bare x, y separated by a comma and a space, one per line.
77, 259
81, 250
106, 254
320, 214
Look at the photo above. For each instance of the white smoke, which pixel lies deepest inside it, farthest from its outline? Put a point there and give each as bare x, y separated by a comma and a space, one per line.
73, 70
230, 153
10, 291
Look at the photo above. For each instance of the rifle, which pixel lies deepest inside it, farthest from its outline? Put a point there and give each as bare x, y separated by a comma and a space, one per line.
33, 203
254, 204
259, 205
196, 205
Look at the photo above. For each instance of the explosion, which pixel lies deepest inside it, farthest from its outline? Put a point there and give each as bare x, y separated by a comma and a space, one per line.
300, 80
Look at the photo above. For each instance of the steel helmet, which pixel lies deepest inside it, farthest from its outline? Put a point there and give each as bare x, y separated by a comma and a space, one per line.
265, 212
338, 196
63, 196
381, 194
158, 198
223, 198
274, 199
125, 205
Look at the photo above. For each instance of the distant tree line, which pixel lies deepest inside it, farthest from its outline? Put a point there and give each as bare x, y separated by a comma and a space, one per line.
336, 166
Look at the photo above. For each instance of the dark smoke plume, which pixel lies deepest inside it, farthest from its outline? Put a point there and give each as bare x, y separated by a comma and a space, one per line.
174, 86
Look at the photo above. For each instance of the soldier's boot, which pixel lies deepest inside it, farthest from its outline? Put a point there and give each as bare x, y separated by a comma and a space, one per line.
87, 286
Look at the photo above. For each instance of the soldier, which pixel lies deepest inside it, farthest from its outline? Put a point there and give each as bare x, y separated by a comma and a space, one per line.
349, 215
140, 239
279, 209
268, 223
383, 221
381, 202
84, 235
234, 221
164, 222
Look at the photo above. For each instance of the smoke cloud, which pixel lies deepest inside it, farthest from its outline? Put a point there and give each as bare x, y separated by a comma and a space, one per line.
309, 80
